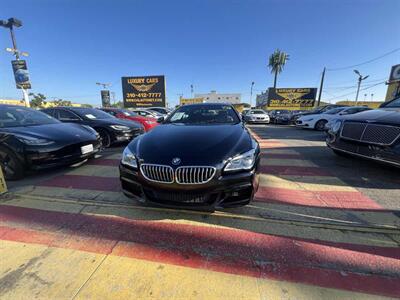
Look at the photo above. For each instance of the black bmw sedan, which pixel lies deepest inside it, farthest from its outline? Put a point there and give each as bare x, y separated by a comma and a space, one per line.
200, 156
111, 129
30, 139
373, 134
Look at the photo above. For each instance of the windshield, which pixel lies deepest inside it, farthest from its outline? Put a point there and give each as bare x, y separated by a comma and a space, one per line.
334, 111
394, 103
92, 114
129, 113
21, 116
204, 114
258, 112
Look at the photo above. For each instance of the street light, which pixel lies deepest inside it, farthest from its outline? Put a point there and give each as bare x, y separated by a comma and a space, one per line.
10, 24
360, 79
251, 92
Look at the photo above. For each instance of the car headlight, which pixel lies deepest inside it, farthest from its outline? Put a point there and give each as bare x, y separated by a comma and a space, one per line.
119, 127
29, 140
336, 126
243, 161
308, 120
150, 122
128, 158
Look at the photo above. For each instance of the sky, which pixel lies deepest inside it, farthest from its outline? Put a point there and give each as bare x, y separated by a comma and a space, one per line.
213, 44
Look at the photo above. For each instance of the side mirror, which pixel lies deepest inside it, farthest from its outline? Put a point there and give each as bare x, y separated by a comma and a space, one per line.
160, 119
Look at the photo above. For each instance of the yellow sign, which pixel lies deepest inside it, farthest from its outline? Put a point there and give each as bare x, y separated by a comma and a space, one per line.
184, 101
291, 98
12, 102
3, 186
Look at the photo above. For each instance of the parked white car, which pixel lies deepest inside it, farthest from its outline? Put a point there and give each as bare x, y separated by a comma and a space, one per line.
319, 121
256, 116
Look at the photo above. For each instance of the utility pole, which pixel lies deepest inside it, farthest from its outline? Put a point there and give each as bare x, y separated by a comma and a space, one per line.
321, 86
372, 97
251, 92
10, 24
360, 79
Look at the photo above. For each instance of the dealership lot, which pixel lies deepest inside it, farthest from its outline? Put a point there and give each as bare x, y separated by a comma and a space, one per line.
320, 226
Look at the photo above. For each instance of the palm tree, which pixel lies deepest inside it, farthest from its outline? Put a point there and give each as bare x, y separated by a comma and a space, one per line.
277, 61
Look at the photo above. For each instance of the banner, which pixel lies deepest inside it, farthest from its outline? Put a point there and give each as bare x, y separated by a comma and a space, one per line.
21, 74
144, 91
105, 98
183, 101
291, 98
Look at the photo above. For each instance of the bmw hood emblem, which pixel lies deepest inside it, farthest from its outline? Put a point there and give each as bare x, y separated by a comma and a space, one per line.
176, 161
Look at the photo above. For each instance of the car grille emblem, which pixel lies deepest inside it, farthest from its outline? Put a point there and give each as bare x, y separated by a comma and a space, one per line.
176, 161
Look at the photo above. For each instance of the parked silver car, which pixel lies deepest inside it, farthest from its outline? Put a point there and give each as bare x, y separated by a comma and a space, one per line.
256, 116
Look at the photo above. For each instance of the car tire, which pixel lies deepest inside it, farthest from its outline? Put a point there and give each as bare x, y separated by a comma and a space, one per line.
105, 138
320, 125
12, 167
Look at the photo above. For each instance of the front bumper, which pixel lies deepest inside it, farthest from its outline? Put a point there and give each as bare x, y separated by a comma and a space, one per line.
38, 158
126, 135
384, 154
225, 191
305, 124
260, 121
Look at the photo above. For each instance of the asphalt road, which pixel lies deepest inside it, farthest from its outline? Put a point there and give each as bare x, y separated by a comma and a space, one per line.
380, 182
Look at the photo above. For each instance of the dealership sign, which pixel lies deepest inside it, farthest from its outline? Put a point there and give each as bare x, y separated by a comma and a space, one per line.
183, 101
291, 98
105, 98
144, 91
21, 74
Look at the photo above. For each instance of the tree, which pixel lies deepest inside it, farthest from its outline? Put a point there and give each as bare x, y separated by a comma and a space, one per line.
118, 104
38, 100
277, 61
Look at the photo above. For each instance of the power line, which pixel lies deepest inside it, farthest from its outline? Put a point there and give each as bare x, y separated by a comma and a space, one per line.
363, 89
365, 62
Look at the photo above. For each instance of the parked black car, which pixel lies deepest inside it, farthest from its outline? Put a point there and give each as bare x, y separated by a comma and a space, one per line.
373, 134
30, 139
273, 114
201, 156
111, 129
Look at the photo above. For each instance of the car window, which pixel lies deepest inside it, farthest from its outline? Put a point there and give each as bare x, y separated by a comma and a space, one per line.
258, 112
65, 115
92, 114
334, 111
21, 116
204, 114
394, 103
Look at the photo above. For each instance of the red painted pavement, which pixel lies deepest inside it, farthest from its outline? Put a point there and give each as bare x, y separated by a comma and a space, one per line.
291, 170
104, 162
333, 199
267, 155
111, 184
359, 268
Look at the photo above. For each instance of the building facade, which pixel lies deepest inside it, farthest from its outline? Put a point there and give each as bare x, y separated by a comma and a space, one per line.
214, 97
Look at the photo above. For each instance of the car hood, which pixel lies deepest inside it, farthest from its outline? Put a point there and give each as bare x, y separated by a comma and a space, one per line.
383, 115
194, 145
64, 133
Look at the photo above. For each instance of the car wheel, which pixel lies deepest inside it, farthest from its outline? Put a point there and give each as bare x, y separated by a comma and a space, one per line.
105, 138
12, 167
320, 126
